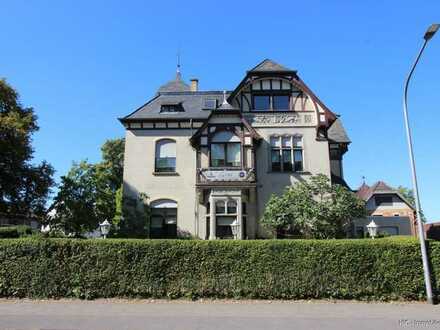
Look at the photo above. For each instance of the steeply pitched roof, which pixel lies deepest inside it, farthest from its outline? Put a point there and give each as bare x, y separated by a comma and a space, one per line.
363, 191
268, 65
337, 133
175, 85
191, 102
380, 187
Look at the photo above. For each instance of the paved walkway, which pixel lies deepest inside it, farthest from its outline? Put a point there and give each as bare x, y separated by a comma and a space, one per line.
231, 315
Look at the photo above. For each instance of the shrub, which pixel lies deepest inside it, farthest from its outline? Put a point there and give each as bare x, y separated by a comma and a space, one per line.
15, 231
313, 208
8, 232
382, 269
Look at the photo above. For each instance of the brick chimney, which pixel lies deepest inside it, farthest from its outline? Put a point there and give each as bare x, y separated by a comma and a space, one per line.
194, 85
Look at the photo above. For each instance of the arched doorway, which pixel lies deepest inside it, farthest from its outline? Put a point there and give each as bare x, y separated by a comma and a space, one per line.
163, 219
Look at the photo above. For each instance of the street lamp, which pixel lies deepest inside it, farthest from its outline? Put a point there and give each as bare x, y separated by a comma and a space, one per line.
105, 228
372, 229
428, 35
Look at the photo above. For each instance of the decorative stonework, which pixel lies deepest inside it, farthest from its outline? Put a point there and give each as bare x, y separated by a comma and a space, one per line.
279, 119
226, 175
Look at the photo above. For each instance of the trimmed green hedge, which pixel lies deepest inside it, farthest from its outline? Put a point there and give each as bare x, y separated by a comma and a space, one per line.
382, 269
15, 231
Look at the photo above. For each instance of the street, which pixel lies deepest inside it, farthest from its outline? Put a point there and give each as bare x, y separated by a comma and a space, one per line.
146, 314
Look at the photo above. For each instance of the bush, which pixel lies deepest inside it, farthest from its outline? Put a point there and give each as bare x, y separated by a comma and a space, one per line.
15, 231
383, 269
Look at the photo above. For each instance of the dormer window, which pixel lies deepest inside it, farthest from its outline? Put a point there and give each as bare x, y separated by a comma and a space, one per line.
171, 108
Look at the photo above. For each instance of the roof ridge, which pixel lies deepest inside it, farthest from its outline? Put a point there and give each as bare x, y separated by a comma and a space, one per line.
268, 65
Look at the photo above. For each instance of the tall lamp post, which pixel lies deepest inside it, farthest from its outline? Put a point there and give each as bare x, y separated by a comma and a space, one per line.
428, 35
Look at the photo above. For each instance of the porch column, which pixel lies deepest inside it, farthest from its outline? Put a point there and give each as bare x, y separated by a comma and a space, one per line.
240, 218
212, 222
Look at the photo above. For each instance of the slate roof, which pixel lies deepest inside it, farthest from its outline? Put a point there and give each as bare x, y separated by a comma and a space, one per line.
268, 65
175, 85
192, 103
337, 133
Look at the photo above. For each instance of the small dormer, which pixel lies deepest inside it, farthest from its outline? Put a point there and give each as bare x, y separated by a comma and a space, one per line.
171, 107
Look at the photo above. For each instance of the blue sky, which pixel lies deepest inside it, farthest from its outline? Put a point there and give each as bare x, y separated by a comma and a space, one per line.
82, 64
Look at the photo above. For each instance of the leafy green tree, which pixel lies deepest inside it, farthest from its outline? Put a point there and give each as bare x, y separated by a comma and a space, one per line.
74, 206
24, 187
313, 208
88, 192
408, 194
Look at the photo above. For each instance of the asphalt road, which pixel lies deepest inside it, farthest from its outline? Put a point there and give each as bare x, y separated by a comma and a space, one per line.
231, 315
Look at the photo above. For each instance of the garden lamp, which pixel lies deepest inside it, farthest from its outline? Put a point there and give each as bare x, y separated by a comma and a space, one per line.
235, 228
372, 229
105, 228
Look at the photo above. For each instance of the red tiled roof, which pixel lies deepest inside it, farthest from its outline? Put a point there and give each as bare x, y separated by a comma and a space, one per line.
365, 192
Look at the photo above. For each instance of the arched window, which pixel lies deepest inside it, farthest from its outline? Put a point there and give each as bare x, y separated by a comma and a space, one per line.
225, 150
286, 153
163, 219
165, 156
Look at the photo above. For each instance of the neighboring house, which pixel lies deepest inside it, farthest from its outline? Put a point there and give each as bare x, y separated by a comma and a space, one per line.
388, 208
210, 160
19, 219
432, 230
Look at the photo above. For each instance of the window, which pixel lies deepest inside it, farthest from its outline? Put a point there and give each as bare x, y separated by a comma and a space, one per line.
225, 150
226, 215
280, 102
165, 160
163, 219
171, 107
383, 199
271, 102
286, 154
261, 102
210, 104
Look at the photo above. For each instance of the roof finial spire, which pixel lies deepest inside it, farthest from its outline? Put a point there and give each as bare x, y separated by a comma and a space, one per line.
363, 179
224, 98
178, 74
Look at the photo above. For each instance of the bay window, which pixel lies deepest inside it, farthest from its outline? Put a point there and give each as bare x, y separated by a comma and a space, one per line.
225, 150
286, 154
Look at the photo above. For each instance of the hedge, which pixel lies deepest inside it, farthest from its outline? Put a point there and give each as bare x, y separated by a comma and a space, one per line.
383, 269
15, 231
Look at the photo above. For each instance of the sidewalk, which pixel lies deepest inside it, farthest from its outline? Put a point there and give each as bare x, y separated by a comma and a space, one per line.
145, 314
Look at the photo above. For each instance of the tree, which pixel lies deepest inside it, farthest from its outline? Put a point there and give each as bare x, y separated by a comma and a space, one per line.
87, 194
75, 204
24, 187
313, 209
408, 194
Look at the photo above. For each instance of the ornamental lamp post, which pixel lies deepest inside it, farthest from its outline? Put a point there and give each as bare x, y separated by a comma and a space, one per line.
105, 228
427, 275
372, 229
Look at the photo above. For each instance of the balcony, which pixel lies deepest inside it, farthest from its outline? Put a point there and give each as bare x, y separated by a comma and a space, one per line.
218, 176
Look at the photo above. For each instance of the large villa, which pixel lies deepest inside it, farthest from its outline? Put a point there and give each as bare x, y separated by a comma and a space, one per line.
210, 160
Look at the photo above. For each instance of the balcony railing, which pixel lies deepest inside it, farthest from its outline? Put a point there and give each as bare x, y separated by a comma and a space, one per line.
211, 175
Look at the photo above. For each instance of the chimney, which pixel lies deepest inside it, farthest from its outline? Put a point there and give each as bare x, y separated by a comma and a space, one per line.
194, 85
